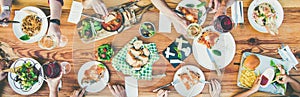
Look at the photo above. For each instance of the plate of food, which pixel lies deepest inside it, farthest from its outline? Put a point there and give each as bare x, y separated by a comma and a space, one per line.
93, 76
190, 78
105, 52
31, 28
113, 22
222, 46
264, 12
252, 65
136, 59
26, 76
192, 11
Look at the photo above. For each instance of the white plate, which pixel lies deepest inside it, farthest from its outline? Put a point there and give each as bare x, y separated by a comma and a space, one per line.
16, 86
225, 44
269, 73
184, 2
277, 7
17, 27
193, 91
95, 87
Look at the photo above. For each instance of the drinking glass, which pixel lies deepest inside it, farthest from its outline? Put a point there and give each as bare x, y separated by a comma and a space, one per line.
223, 24
53, 69
50, 41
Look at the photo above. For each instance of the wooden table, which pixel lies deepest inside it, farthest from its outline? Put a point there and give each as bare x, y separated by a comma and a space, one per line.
78, 53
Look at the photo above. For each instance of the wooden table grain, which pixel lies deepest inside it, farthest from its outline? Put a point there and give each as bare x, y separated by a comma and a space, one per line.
77, 53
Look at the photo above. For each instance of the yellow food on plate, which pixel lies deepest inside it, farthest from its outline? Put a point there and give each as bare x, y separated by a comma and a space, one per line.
209, 38
31, 25
251, 62
247, 78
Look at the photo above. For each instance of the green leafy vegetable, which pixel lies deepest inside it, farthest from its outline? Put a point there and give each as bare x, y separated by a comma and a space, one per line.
101, 65
217, 52
190, 5
179, 55
25, 37
201, 4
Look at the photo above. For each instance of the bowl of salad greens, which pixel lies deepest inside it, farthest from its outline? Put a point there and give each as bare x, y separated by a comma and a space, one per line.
147, 29
28, 76
88, 28
105, 52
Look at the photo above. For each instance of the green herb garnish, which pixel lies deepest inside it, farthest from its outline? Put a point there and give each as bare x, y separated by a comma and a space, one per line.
201, 4
190, 5
217, 52
25, 37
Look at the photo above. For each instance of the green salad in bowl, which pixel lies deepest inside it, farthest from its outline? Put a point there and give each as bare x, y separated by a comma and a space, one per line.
105, 52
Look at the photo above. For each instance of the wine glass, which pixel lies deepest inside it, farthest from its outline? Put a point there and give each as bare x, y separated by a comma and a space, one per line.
223, 24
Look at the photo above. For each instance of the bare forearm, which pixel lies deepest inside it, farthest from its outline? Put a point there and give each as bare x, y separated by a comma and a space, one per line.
162, 6
53, 94
245, 94
55, 9
295, 85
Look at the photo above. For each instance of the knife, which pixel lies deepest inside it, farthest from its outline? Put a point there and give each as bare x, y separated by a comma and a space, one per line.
214, 62
2, 21
164, 86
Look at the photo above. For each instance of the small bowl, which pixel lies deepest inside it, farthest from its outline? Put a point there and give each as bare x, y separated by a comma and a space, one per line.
267, 77
148, 30
193, 30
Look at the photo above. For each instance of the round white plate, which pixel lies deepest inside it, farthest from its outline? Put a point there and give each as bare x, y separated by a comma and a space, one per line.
225, 44
193, 91
16, 86
184, 2
269, 73
277, 7
95, 87
17, 27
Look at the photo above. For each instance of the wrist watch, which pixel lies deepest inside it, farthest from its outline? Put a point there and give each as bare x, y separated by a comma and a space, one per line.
5, 8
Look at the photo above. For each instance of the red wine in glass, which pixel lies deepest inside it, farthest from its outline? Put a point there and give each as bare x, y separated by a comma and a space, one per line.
52, 69
223, 24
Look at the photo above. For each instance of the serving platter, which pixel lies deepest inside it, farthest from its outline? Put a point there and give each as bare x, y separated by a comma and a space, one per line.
265, 62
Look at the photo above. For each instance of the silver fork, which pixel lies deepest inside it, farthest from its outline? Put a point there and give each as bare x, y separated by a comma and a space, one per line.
172, 83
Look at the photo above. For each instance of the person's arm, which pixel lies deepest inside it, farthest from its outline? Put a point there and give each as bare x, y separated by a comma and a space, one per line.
254, 89
5, 10
162, 6
55, 15
53, 84
283, 79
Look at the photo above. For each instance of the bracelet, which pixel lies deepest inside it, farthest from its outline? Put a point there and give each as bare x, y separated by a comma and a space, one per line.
5, 8
55, 21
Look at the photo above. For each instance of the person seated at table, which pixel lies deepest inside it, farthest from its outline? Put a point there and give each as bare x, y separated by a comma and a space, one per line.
118, 91
55, 12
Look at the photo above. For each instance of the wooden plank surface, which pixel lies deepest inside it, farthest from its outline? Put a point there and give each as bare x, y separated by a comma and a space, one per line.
78, 53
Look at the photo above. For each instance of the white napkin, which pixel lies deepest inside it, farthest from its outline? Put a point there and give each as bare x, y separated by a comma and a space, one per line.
75, 12
164, 23
237, 12
287, 55
131, 87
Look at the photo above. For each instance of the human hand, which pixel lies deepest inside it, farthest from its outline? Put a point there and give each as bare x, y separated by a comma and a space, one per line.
4, 16
55, 29
117, 90
283, 79
214, 88
53, 83
214, 4
97, 5
78, 93
2, 74
256, 84
162, 93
